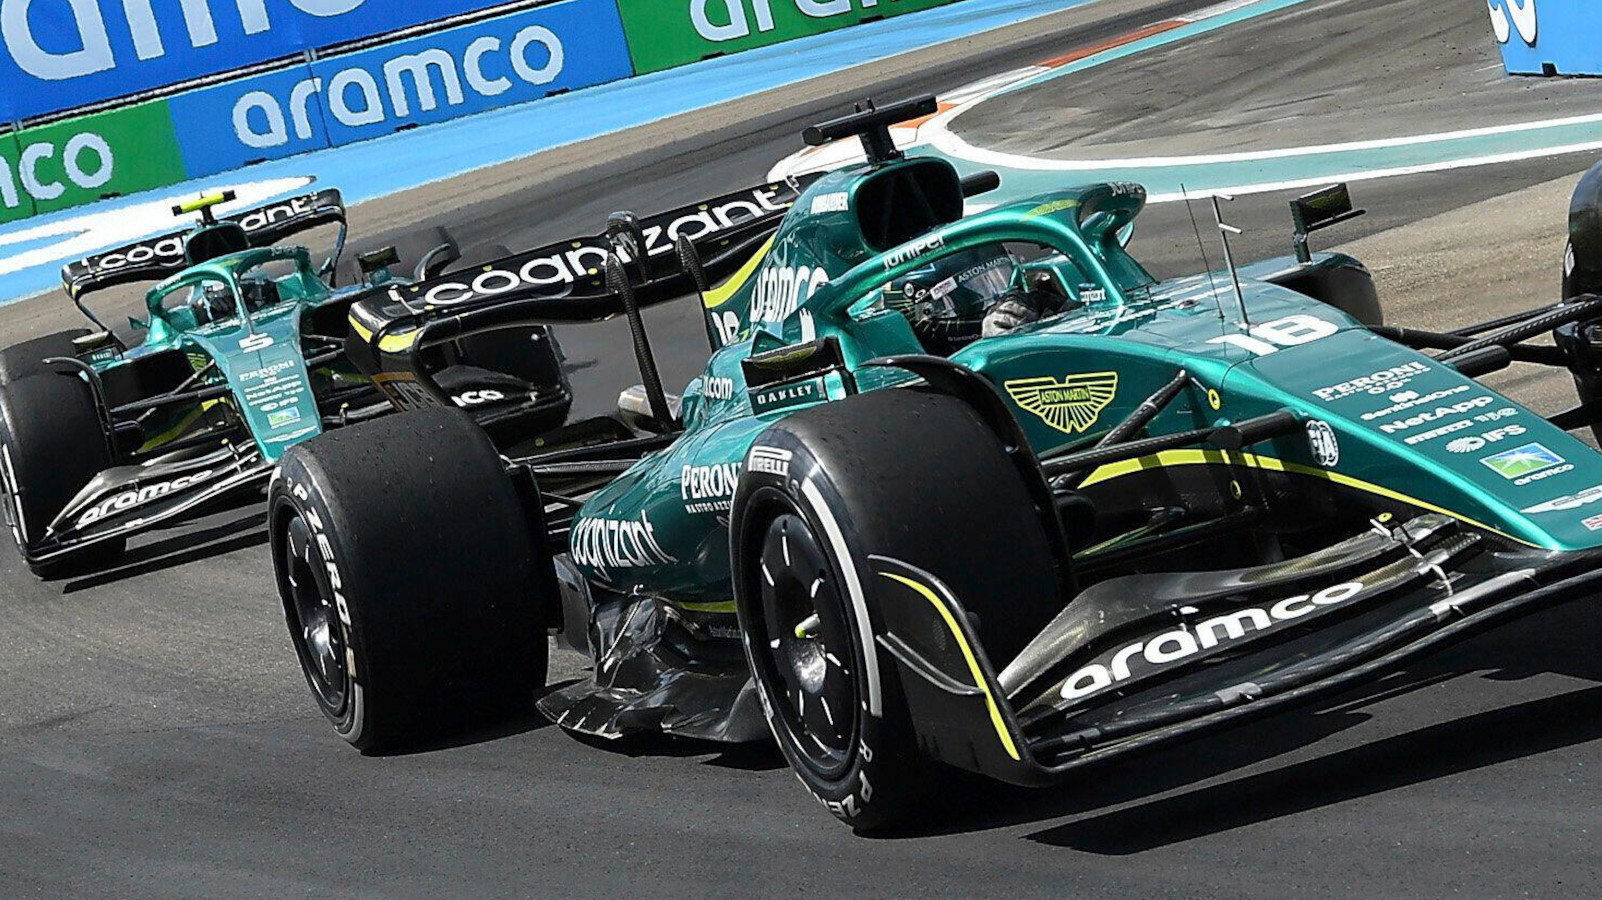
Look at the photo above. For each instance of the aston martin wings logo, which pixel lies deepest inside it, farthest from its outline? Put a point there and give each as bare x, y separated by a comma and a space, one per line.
1071, 405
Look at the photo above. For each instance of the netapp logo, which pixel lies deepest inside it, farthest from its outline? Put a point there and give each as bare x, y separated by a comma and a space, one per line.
1424, 417
565, 268
129, 499
1181, 643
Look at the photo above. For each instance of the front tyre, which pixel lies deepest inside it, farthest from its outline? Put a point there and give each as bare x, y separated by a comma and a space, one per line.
51, 445
912, 476
413, 587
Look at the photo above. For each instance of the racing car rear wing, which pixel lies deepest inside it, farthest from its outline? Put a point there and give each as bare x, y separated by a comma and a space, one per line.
565, 282
663, 257
156, 258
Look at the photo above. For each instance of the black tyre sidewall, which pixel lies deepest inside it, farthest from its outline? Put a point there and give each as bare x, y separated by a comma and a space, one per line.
51, 432
427, 544
26, 359
868, 458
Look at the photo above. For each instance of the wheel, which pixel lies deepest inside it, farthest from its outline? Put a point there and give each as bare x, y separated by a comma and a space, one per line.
413, 587
27, 358
909, 475
51, 446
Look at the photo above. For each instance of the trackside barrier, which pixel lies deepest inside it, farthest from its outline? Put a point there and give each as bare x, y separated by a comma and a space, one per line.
663, 34
1549, 37
83, 54
348, 97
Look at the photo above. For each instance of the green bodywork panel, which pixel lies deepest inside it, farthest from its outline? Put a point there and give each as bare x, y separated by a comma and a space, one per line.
1391, 425
258, 353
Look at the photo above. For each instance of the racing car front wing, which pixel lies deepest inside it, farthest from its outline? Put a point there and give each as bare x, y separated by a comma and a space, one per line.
1133, 666
133, 498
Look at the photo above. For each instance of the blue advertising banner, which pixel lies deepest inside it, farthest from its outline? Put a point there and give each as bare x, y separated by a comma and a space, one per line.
62, 54
460, 71
1548, 37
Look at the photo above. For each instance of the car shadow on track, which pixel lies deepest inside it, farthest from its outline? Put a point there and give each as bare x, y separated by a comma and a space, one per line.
1557, 642
186, 547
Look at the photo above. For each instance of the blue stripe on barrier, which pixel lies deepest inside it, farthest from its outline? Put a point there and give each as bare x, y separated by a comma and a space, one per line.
58, 56
359, 96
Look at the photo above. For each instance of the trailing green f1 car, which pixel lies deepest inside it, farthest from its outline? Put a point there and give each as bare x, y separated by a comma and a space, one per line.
916, 515
243, 356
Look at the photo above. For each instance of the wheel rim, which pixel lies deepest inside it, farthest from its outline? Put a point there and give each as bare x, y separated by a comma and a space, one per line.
314, 615
803, 646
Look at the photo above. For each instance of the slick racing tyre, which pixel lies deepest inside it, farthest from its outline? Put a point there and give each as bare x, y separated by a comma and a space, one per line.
51, 446
914, 476
27, 358
411, 581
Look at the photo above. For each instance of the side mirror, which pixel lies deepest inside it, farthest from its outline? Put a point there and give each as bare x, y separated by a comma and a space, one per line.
1317, 211
634, 408
138, 324
96, 346
375, 264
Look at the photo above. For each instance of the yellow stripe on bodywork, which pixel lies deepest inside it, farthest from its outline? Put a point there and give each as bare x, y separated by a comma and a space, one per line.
723, 606
1270, 464
393, 343
722, 293
973, 662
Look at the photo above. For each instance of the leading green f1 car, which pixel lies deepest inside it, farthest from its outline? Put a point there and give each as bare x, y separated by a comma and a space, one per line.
899, 538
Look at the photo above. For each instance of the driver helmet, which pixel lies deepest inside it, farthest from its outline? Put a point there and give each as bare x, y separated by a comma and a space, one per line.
947, 301
214, 303
258, 293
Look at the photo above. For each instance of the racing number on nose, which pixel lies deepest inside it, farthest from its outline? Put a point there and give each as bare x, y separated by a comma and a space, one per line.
1271, 337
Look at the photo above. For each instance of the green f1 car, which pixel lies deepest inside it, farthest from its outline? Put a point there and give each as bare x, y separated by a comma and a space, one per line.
243, 356
1156, 508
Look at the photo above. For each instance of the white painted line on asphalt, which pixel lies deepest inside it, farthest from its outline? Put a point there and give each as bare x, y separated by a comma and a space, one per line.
948, 142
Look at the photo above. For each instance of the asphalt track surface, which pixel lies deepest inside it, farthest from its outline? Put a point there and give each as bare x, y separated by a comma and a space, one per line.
157, 740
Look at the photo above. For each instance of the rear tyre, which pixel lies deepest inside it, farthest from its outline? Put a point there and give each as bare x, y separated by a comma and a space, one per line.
412, 584
22, 360
51, 446
913, 476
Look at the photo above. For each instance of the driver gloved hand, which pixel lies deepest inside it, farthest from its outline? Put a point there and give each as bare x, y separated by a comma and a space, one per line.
1016, 309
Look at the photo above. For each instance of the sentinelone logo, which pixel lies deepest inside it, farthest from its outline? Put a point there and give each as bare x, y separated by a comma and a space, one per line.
355, 98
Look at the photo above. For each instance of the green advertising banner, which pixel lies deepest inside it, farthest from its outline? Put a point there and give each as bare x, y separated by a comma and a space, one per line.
663, 34
80, 160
